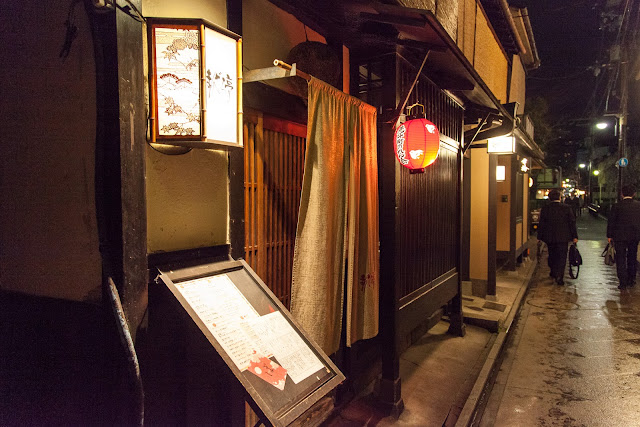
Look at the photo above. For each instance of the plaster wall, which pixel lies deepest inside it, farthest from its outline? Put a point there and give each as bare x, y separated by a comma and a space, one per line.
477, 41
503, 211
447, 15
479, 214
519, 235
48, 230
517, 90
214, 11
467, 28
489, 59
270, 33
187, 195
446, 11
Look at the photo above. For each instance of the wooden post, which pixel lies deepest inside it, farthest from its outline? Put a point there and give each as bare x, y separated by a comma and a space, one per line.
389, 388
456, 323
120, 157
492, 226
513, 211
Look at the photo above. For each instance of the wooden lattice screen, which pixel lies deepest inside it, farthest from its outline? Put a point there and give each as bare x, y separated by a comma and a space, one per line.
274, 163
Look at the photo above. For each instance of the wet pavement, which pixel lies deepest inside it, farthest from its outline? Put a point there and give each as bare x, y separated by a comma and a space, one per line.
573, 357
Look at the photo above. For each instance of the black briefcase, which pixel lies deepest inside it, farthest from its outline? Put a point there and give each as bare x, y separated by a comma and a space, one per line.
575, 261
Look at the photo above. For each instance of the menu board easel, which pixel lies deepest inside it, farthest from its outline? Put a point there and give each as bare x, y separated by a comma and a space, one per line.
283, 371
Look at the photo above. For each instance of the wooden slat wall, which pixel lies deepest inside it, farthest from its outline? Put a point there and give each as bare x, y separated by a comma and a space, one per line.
274, 163
427, 223
428, 203
440, 109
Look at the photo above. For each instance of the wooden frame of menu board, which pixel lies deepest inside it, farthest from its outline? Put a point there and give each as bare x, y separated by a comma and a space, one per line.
283, 371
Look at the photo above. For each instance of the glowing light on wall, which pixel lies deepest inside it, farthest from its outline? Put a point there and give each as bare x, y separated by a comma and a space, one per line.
501, 173
502, 145
416, 144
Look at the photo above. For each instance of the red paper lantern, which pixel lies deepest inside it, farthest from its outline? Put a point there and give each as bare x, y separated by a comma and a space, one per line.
416, 143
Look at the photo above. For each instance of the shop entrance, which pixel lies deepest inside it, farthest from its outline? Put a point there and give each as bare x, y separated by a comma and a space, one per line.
273, 164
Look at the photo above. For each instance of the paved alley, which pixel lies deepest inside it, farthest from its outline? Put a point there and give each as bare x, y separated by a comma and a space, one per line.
573, 358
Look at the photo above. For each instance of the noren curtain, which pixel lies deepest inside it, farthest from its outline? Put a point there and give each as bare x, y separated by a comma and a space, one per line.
337, 233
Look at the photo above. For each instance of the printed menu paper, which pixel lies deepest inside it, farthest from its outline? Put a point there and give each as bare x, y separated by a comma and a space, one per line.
222, 308
290, 350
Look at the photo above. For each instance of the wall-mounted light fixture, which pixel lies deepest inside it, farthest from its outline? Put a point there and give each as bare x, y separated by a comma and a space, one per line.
195, 84
501, 173
502, 145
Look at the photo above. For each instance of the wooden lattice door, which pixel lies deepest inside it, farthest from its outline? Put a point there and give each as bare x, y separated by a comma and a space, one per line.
274, 163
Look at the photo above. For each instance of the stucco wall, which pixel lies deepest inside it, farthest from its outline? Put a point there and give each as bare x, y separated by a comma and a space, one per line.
214, 11
489, 60
447, 15
446, 12
48, 231
269, 33
419, 4
518, 84
187, 195
480, 46
467, 28
479, 214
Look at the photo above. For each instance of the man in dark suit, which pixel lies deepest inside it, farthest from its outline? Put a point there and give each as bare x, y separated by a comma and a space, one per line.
556, 228
623, 229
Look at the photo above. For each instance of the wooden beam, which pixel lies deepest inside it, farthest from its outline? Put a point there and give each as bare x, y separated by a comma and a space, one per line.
394, 19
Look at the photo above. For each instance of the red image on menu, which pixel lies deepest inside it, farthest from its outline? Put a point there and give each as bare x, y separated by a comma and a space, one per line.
268, 370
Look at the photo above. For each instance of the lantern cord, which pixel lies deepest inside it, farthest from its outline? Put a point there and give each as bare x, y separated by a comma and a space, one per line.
398, 112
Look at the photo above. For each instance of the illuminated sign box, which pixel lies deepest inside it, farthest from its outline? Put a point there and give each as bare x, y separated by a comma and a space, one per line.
195, 77
502, 145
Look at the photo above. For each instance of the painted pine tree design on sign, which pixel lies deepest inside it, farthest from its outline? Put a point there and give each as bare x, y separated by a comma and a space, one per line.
178, 70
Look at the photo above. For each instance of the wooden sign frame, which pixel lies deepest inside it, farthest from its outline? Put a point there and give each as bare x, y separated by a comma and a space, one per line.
188, 89
280, 407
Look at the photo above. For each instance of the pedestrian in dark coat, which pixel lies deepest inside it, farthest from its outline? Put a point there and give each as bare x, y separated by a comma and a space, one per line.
623, 228
557, 228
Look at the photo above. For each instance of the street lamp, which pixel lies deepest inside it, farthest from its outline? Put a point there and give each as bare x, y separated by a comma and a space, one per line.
602, 125
582, 166
596, 173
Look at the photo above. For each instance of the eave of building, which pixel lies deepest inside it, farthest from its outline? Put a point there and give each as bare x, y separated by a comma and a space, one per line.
499, 16
530, 57
369, 28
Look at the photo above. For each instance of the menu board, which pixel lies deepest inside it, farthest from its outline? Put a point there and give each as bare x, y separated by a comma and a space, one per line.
281, 368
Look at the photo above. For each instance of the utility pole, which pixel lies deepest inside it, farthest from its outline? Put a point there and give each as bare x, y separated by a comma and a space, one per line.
622, 116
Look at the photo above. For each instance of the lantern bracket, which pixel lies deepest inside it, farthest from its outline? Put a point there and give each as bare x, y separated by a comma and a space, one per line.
416, 116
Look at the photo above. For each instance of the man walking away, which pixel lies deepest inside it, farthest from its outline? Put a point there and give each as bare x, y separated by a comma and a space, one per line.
556, 228
623, 229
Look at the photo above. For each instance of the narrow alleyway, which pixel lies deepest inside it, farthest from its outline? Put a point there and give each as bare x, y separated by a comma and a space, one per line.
574, 356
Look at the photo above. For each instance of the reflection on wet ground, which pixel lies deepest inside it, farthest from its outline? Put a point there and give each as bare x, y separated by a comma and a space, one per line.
574, 356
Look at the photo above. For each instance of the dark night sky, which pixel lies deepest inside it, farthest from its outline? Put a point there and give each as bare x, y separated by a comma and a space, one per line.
570, 45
